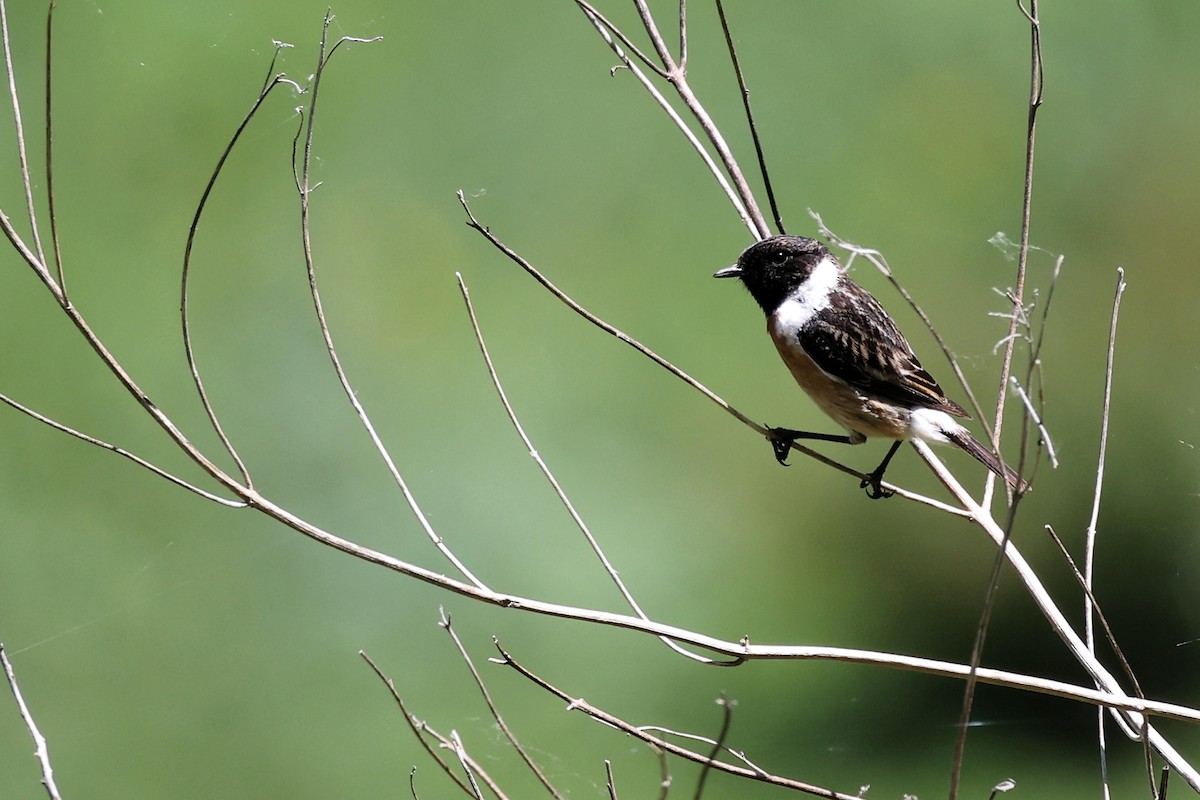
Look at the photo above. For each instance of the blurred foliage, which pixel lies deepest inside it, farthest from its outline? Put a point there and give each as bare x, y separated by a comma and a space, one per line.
170, 648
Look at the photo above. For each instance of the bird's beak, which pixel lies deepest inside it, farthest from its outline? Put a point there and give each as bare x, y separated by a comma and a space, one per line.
733, 271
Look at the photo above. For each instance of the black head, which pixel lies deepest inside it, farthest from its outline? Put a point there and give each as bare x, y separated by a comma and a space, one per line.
771, 270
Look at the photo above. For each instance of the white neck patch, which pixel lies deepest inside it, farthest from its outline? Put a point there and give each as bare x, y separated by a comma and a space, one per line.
811, 298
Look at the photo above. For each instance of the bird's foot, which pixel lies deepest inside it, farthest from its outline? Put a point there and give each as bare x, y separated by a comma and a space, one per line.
873, 483
781, 443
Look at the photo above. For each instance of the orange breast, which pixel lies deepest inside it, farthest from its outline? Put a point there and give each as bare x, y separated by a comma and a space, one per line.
855, 412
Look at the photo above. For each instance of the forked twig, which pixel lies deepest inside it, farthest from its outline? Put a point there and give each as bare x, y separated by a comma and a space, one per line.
141, 462
607, 32
610, 781
579, 704
422, 730
675, 73
444, 623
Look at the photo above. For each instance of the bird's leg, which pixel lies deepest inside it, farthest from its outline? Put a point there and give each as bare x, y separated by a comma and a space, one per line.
781, 440
873, 483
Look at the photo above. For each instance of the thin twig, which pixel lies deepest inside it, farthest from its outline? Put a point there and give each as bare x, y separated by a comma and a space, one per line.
419, 728
718, 745
1036, 86
40, 752
1089, 559
1109, 636
656, 38
579, 704
23, 159
466, 762
607, 32
305, 192
554, 484
683, 36
610, 782
141, 462
1035, 370
51, 207
981, 629
269, 83
1164, 779
1036, 419
594, 15
745, 92
444, 623
696, 737
1005, 370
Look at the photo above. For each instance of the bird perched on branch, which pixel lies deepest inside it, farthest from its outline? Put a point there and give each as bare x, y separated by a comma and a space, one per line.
847, 354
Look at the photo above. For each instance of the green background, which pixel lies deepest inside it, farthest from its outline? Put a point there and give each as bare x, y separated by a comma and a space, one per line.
173, 648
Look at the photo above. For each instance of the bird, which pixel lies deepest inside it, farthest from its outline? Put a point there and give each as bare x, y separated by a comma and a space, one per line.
850, 357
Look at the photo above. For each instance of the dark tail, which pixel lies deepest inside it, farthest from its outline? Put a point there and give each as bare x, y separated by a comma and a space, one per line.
986, 457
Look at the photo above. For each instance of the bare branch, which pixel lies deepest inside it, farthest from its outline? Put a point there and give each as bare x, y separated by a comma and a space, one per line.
444, 622
1036, 418
1036, 85
726, 720
305, 192
269, 83
26, 178
466, 763
1055, 617
141, 462
1089, 560
745, 92
558, 490
594, 15
579, 704
1095, 604
50, 201
741, 199
419, 728
41, 752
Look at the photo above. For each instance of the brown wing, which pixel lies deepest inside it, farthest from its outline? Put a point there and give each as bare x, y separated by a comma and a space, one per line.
855, 341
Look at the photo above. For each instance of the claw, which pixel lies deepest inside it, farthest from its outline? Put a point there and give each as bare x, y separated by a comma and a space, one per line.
781, 443
873, 483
